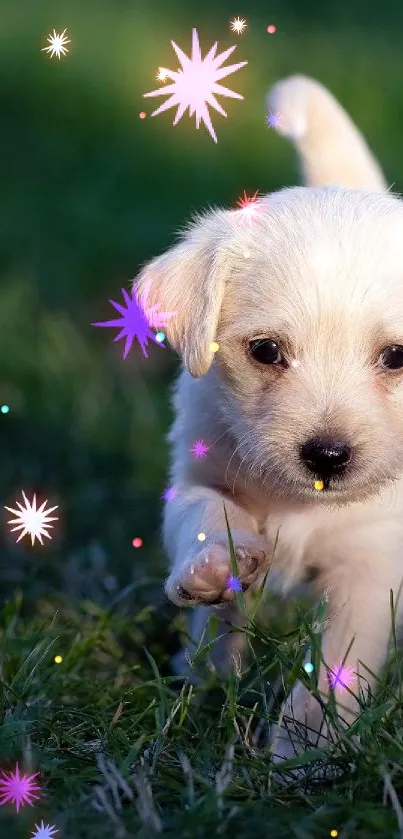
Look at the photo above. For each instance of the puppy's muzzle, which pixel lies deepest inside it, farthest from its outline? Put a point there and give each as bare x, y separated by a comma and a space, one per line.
325, 458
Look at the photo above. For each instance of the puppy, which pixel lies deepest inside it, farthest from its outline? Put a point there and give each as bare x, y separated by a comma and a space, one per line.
303, 293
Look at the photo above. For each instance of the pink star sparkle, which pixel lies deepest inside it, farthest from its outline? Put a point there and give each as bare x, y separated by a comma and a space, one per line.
18, 789
199, 448
341, 678
195, 84
136, 321
169, 494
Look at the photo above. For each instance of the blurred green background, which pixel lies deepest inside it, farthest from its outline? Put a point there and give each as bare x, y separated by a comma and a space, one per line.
88, 193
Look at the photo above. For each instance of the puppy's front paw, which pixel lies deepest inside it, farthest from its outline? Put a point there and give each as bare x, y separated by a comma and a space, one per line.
207, 578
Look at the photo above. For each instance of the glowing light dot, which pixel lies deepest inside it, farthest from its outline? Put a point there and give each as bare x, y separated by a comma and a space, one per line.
201, 537
308, 667
58, 659
246, 254
159, 336
142, 114
5, 409
334, 833
319, 485
162, 74
271, 29
137, 543
214, 347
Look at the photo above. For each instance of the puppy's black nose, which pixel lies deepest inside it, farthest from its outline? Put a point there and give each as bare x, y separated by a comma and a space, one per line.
325, 457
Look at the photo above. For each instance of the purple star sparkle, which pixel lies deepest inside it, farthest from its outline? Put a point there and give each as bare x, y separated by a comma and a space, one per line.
136, 321
273, 119
199, 448
234, 583
169, 494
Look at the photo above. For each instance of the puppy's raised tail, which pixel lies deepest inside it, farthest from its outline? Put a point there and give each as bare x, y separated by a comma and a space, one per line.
330, 147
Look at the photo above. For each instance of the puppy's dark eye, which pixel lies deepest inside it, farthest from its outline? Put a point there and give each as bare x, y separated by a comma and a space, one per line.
392, 357
265, 351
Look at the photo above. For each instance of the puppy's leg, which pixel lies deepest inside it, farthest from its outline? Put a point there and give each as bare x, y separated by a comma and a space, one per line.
196, 540
201, 570
227, 651
359, 610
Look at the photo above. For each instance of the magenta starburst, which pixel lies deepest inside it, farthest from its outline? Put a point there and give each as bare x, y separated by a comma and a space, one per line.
273, 119
234, 583
169, 493
199, 448
136, 321
18, 789
341, 677
196, 83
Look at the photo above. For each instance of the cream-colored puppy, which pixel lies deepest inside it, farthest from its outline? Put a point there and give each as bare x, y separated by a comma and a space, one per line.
304, 296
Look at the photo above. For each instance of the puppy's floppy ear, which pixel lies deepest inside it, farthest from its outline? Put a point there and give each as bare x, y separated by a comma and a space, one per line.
189, 280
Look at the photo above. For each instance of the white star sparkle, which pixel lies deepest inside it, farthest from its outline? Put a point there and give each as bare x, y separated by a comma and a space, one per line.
195, 85
44, 831
31, 520
238, 25
57, 43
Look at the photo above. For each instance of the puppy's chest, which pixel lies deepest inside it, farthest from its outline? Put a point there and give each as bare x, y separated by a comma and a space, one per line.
306, 540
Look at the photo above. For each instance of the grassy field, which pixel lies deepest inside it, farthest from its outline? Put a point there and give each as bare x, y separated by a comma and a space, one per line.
88, 193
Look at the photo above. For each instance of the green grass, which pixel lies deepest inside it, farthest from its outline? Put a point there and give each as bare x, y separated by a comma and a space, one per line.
123, 749
88, 193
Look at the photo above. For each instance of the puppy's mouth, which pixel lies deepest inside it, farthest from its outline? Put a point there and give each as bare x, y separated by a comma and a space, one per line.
337, 490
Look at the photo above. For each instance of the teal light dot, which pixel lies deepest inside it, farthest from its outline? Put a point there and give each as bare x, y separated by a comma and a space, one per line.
160, 336
308, 667
5, 409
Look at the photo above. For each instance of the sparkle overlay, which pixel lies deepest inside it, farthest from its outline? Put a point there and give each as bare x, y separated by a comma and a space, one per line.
341, 677
246, 201
136, 321
273, 119
30, 520
196, 83
248, 206
199, 448
44, 831
57, 44
319, 486
162, 74
238, 25
169, 494
234, 583
18, 789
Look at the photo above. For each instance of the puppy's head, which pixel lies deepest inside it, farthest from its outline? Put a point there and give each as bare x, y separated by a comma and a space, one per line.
304, 296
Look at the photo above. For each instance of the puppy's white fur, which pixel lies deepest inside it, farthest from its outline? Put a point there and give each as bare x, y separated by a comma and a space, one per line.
320, 270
